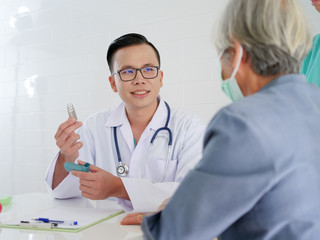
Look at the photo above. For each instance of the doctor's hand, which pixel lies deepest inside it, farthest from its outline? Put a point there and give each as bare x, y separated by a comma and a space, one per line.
99, 184
136, 218
66, 140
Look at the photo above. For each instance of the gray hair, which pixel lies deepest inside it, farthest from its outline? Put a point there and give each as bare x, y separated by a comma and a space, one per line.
274, 33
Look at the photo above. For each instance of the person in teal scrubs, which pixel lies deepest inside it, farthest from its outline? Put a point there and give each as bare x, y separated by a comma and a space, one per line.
311, 64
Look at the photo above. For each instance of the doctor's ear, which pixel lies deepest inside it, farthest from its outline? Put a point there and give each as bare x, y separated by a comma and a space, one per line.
161, 77
113, 83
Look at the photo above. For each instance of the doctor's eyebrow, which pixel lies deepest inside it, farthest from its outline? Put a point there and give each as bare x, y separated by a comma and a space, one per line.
145, 65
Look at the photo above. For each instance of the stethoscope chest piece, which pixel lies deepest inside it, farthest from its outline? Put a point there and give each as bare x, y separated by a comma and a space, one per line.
122, 170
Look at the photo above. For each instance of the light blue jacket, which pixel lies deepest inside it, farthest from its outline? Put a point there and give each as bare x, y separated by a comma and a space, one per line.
311, 64
259, 178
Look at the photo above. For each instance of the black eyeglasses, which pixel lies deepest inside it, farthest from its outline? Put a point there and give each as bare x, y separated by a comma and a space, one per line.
130, 74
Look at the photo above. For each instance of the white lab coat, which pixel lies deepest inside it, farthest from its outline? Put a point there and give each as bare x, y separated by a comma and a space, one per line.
99, 149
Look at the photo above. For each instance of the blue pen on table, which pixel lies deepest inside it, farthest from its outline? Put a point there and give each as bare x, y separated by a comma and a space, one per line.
47, 220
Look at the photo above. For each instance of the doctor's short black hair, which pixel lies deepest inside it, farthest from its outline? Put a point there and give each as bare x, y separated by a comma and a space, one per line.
127, 40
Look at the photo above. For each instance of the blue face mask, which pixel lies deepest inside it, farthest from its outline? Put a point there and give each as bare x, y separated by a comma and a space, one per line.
230, 86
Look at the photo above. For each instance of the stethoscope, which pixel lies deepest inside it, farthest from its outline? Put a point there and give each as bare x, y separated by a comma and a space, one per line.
123, 169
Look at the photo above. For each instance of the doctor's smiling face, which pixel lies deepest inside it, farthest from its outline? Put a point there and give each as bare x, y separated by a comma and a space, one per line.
143, 90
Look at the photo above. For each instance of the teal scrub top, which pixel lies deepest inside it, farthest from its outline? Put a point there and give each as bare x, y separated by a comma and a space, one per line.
311, 64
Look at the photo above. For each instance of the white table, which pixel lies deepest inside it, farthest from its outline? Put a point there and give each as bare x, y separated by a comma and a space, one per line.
26, 204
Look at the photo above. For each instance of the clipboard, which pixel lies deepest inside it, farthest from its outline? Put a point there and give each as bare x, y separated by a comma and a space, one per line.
86, 217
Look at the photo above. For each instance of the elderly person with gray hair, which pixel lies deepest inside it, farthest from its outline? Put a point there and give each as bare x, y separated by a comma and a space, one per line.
260, 173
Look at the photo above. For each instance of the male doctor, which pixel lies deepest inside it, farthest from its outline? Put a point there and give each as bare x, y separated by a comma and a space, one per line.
117, 142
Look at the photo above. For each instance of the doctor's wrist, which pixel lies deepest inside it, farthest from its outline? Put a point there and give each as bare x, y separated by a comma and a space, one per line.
120, 190
63, 158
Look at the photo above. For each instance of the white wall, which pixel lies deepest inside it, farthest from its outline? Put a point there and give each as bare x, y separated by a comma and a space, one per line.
312, 15
56, 55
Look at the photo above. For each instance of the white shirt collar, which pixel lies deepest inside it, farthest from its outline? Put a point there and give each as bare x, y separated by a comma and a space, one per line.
117, 117
160, 117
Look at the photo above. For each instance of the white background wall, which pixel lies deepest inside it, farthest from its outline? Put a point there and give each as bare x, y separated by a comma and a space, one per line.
56, 55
